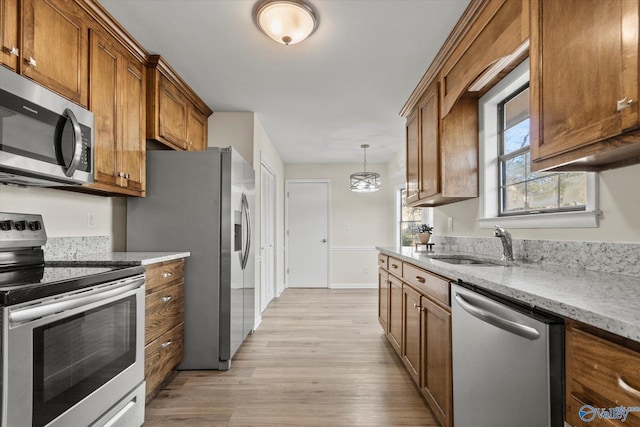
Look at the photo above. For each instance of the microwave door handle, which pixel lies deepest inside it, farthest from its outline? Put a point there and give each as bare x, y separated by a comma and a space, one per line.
77, 147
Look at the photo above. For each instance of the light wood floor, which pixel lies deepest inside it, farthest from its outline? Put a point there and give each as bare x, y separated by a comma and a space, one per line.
319, 358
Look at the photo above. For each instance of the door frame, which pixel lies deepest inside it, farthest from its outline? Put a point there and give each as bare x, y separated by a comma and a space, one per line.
274, 267
286, 226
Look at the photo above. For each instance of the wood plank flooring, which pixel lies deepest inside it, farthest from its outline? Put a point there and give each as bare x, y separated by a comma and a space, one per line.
319, 358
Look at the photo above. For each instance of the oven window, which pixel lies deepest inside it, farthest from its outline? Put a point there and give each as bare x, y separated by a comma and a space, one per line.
75, 356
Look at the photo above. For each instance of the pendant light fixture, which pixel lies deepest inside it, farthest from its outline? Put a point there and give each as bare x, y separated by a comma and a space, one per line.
365, 182
286, 21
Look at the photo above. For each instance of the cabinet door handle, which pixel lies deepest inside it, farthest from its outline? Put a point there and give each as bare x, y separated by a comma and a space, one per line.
627, 388
166, 344
166, 299
165, 275
417, 307
14, 51
420, 279
31, 61
624, 103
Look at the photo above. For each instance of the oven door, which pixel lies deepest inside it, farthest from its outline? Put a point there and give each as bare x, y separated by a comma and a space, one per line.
69, 359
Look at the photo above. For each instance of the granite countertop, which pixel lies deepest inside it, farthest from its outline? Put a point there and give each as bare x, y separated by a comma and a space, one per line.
114, 258
604, 300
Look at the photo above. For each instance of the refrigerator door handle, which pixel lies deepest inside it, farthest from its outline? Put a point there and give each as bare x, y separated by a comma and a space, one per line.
247, 216
498, 321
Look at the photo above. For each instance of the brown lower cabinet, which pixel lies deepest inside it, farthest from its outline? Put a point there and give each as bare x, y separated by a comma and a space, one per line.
164, 323
603, 371
418, 327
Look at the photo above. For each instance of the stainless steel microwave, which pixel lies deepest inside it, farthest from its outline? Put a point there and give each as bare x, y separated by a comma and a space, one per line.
45, 139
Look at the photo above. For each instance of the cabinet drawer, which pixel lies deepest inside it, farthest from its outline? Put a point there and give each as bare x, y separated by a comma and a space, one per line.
161, 356
395, 266
607, 372
163, 310
431, 285
383, 261
163, 273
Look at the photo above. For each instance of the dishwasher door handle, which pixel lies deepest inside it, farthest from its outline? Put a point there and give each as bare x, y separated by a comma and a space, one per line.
508, 325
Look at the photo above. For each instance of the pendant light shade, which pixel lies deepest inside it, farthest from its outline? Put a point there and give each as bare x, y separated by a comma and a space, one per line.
286, 21
365, 182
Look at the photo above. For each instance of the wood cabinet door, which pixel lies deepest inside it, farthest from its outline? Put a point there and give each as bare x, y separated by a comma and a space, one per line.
133, 144
395, 313
172, 110
429, 142
411, 342
9, 33
105, 65
584, 63
196, 130
55, 47
383, 299
413, 157
436, 374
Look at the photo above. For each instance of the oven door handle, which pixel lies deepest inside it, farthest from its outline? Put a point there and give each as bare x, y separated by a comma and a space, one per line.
30, 313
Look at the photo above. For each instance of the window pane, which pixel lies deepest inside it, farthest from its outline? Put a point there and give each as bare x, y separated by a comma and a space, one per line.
514, 198
573, 190
516, 137
515, 170
516, 109
543, 193
407, 233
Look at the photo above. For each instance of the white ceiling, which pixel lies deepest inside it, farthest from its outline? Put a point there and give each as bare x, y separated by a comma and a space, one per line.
318, 100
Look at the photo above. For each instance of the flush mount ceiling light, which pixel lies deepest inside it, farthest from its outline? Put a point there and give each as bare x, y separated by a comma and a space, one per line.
286, 21
365, 182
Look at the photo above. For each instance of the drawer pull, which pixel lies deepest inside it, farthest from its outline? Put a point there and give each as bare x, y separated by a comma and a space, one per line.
166, 344
165, 275
166, 299
394, 265
420, 279
627, 388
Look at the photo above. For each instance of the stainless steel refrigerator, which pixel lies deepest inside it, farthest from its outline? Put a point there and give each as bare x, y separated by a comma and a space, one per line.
202, 202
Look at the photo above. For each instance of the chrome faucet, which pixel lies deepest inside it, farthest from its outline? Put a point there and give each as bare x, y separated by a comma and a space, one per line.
507, 247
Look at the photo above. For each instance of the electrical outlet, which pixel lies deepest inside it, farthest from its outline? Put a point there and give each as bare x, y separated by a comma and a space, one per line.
450, 224
91, 220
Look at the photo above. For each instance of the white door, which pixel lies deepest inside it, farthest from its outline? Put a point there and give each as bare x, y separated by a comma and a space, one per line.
307, 234
268, 235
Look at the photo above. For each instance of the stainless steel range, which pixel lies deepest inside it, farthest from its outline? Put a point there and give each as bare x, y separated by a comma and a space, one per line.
72, 337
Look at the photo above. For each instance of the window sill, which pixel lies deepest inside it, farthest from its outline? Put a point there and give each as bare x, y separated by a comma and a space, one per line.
582, 219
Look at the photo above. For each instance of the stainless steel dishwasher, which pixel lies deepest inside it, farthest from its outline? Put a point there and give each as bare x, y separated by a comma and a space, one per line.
508, 362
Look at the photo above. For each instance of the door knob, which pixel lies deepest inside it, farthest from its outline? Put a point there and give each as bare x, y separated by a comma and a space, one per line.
324, 240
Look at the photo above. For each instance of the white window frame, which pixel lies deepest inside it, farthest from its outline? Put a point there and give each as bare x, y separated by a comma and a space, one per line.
489, 194
427, 213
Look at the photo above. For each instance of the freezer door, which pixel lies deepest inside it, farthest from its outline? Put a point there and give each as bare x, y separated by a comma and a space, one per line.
249, 266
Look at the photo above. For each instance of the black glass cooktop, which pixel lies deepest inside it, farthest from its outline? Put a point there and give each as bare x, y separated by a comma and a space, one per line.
27, 284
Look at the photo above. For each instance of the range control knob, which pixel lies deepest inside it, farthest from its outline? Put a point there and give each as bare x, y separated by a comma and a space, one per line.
20, 225
5, 225
35, 225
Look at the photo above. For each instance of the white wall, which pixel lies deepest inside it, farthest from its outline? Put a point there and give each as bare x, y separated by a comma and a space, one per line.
65, 213
359, 221
233, 129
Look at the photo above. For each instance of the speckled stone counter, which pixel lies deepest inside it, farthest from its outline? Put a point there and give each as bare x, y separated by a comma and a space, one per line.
605, 300
113, 258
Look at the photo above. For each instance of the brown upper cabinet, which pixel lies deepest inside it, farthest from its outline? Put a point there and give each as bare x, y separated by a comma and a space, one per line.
176, 117
442, 154
491, 38
584, 84
37, 33
117, 99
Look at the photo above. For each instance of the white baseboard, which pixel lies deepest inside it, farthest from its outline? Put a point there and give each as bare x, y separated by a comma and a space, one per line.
257, 323
353, 286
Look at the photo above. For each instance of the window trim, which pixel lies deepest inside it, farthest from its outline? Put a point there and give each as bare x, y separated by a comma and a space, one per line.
427, 213
489, 176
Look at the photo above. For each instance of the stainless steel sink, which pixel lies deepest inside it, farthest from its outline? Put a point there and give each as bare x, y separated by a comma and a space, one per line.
463, 261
